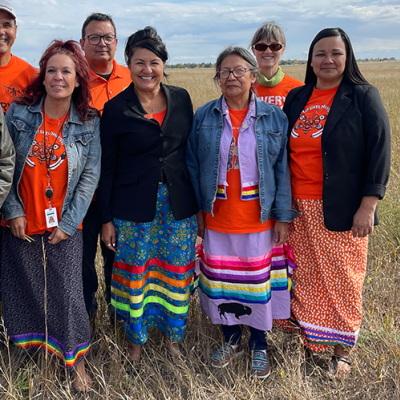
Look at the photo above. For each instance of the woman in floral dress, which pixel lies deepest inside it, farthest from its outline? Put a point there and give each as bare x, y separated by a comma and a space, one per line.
147, 199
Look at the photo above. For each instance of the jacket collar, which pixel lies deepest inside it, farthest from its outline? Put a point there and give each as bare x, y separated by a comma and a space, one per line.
341, 102
257, 107
73, 116
136, 106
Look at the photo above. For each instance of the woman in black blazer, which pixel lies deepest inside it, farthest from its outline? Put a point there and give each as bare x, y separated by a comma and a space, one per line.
147, 199
339, 146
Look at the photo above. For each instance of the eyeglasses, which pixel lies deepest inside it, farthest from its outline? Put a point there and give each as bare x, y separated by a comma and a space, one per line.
272, 46
237, 73
94, 40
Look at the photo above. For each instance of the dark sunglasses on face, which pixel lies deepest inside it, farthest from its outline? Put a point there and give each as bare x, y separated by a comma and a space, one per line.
272, 46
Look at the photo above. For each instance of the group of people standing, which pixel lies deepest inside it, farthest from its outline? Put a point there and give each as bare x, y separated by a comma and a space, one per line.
283, 199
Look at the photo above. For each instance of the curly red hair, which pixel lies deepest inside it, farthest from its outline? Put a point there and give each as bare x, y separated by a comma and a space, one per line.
81, 96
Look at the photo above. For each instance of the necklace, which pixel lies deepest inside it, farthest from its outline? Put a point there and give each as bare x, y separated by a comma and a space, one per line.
49, 152
149, 106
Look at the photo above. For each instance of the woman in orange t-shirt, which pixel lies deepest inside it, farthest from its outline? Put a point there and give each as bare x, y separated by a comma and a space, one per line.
238, 165
57, 140
339, 140
268, 45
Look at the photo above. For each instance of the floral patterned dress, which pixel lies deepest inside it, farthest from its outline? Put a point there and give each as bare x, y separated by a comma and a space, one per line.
153, 272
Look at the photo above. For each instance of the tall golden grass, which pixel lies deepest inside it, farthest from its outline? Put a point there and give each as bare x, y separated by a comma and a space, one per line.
376, 360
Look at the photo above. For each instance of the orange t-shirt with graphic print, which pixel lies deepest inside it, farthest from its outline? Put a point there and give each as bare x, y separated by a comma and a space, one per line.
276, 94
305, 145
234, 215
33, 183
14, 77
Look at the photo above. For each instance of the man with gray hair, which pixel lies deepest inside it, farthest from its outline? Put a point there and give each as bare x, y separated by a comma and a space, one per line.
107, 79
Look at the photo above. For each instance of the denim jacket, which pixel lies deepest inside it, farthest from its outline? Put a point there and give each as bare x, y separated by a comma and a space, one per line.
203, 158
82, 144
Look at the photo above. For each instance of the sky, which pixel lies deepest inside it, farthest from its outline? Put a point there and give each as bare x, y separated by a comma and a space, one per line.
197, 31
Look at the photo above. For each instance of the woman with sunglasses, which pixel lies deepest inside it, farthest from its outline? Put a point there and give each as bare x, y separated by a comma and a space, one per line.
57, 141
268, 45
339, 140
238, 165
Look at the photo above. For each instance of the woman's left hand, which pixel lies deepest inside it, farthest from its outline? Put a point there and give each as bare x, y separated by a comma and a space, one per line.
57, 236
363, 221
281, 232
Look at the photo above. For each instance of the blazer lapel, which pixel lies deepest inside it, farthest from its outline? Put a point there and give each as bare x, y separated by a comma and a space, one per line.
340, 104
298, 104
132, 101
170, 102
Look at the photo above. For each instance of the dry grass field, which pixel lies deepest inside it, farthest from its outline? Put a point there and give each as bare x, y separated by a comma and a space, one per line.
376, 360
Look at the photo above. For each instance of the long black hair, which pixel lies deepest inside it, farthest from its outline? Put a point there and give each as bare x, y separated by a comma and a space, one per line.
351, 70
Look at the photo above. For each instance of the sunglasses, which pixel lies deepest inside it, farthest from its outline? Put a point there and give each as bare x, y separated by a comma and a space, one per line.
272, 46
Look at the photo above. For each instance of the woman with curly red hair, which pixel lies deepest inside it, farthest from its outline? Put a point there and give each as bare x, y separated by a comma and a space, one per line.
57, 140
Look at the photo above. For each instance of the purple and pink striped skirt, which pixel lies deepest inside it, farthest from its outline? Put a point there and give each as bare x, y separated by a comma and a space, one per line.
244, 279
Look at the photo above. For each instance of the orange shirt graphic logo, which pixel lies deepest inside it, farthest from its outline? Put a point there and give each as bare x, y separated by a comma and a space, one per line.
311, 120
43, 150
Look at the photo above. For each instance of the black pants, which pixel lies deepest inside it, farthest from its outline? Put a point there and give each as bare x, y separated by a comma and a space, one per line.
91, 229
233, 335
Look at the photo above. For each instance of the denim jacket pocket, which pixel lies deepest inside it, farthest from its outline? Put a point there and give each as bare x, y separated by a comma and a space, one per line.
274, 142
84, 138
205, 133
24, 131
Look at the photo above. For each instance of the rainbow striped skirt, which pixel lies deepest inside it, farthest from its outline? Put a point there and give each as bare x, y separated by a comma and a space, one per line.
244, 279
153, 272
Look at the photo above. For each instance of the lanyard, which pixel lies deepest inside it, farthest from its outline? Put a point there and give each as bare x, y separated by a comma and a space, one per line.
49, 153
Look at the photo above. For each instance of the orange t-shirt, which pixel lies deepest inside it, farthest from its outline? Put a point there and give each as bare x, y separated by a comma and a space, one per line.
234, 215
159, 117
276, 94
14, 77
33, 183
103, 90
305, 146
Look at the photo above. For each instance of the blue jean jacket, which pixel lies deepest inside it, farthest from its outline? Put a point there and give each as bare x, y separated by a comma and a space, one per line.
203, 157
82, 144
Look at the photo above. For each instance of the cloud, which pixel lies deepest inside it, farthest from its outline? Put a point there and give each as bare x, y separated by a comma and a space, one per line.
194, 29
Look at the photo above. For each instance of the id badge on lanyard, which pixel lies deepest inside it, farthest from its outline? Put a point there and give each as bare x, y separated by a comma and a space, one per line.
51, 217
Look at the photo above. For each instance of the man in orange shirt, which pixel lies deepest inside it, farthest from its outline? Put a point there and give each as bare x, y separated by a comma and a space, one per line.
15, 73
108, 78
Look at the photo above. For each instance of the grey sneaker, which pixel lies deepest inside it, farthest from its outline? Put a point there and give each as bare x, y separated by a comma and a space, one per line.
225, 354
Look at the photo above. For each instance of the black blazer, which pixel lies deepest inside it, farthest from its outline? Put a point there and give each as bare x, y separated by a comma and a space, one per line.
136, 150
355, 149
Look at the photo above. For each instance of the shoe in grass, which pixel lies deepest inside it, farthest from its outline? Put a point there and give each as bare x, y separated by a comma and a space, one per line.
225, 354
260, 365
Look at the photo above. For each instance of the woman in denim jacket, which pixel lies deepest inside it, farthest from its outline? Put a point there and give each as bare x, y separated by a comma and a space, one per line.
56, 137
238, 165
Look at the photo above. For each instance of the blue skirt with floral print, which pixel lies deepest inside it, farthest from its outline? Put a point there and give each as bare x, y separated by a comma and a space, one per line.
153, 272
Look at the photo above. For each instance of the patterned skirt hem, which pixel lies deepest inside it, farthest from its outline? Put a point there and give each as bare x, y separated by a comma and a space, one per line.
34, 341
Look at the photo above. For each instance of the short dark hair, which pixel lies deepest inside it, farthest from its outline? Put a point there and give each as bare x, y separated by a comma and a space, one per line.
351, 71
269, 30
98, 17
146, 38
235, 50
